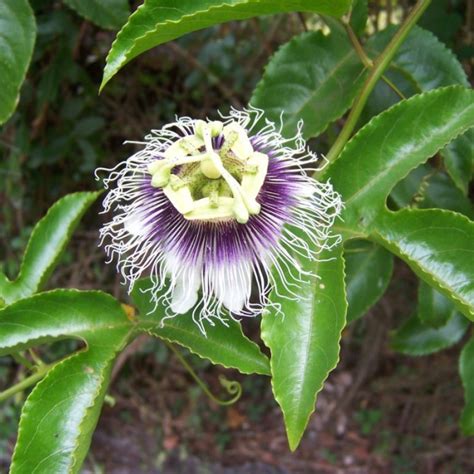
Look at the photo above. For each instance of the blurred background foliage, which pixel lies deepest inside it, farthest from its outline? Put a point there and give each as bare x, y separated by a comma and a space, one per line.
63, 130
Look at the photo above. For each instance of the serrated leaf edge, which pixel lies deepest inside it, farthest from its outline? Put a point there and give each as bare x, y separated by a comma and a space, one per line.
373, 124
373, 121
107, 367
60, 291
126, 56
151, 332
388, 244
281, 50
89, 198
264, 333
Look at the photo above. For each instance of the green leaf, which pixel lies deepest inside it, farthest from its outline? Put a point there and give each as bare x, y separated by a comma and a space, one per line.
368, 272
60, 414
224, 345
159, 21
17, 40
359, 15
427, 187
466, 369
434, 309
428, 64
459, 160
313, 78
392, 144
439, 247
415, 338
110, 14
47, 242
428, 61
304, 341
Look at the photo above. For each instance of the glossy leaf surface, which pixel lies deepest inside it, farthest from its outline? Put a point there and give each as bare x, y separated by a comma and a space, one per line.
110, 14
392, 144
17, 40
368, 272
416, 338
427, 64
45, 246
304, 342
159, 21
313, 78
60, 414
222, 345
466, 368
439, 247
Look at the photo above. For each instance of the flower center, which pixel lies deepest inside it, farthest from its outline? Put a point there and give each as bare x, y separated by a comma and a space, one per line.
214, 174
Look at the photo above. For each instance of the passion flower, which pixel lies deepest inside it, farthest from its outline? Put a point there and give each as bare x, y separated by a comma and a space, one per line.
211, 210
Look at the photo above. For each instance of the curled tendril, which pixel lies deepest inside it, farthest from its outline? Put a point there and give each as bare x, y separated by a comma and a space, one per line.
232, 387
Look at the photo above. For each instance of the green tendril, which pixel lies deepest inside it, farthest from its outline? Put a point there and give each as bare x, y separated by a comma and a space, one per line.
231, 386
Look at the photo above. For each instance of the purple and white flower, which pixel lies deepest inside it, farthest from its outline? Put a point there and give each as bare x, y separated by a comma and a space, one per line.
212, 210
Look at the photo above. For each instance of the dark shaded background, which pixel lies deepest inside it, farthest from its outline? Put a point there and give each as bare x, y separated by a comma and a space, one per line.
379, 412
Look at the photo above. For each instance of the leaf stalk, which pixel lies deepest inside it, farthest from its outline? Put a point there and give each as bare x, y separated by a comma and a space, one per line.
380, 64
39, 373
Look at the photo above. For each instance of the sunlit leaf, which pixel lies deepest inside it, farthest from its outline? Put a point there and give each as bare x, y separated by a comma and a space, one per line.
427, 64
159, 21
392, 144
439, 247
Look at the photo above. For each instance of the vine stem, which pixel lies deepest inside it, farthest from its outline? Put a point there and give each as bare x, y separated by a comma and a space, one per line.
366, 61
380, 64
39, 373
20, 358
